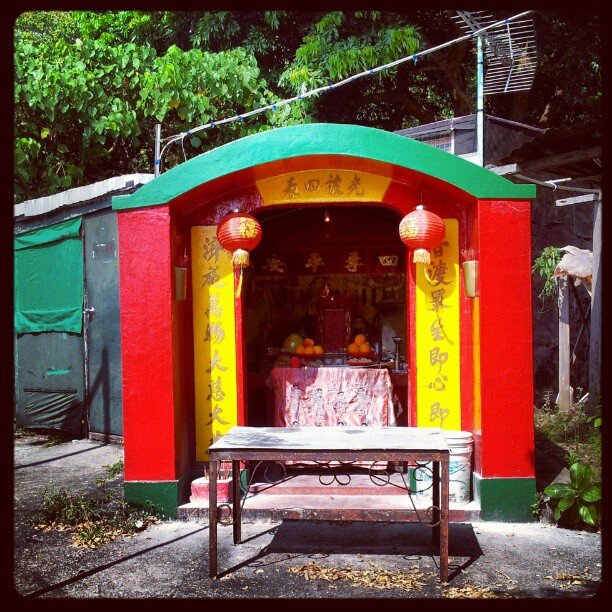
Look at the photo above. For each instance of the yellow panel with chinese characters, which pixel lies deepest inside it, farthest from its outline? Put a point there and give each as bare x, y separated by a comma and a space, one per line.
214, 331
438, 346
323, 186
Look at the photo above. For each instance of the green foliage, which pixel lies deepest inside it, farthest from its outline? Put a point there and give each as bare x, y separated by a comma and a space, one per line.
579, 500
537, 508
88, 108
571, 458
341, 44
90, 86
94, 521
545, 264
54, 441
595, 420
111, 471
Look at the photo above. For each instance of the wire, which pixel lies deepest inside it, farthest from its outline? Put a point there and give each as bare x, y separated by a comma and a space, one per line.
318, 90
555, 186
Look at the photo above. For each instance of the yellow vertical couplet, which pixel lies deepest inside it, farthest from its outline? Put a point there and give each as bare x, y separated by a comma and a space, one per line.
438, 347
214, 327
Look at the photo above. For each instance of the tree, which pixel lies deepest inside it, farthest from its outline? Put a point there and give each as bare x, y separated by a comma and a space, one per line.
90, 87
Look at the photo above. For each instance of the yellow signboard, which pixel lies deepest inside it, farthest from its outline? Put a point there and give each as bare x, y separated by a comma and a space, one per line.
438, 392
214, 330
323, 186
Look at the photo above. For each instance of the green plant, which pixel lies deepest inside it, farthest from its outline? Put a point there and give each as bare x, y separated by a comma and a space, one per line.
53, 441
595, 420
578, 500
545, 264
95, 520
571, 458
540, 503
111, 471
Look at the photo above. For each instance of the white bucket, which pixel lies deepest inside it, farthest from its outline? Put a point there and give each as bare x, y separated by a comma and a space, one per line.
460, 444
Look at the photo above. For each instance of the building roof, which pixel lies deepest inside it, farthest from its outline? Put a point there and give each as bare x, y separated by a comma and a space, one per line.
566, 151
323, 139
79, 195
467, 122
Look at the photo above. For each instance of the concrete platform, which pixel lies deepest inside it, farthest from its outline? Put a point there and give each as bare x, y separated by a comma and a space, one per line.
378, 508
319, 497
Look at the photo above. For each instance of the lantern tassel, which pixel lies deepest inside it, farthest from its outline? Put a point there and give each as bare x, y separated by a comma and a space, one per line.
239, 288
240, 258
421, 256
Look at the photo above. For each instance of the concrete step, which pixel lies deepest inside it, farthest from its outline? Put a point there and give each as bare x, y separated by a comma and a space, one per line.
327, 484
331, 507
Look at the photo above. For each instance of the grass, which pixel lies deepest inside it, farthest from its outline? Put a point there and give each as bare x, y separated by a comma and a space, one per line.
94, 520
572, 430
111, 471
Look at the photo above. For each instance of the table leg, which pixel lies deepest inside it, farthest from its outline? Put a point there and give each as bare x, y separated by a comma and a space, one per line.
444, 520
237, 522
436, 501
212, 517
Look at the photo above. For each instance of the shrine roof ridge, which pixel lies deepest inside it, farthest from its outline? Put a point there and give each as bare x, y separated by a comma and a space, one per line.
329, 140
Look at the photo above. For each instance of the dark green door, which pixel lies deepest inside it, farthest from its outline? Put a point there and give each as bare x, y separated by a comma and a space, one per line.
102, 324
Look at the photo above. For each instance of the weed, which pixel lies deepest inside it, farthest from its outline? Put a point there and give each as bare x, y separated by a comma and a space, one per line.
94, 521
580, 499
111, 471
540, 503
571, 458
53, 441
545, 264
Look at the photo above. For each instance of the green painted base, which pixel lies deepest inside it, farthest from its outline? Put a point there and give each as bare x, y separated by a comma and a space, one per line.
507, 500
165, 495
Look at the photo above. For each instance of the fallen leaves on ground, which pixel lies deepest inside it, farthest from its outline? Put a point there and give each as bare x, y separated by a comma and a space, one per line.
571, 578
470, 591
375, 579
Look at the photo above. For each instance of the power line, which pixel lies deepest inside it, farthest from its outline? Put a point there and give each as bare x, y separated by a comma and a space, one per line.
274, 106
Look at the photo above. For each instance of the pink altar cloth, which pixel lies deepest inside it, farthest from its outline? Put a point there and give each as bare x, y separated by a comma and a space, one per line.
332, 396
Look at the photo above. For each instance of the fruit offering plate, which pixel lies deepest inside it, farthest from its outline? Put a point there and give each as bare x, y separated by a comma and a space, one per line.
360, 361
313, 356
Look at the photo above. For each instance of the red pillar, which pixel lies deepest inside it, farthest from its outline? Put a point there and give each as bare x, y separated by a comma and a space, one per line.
506, 365
145, 270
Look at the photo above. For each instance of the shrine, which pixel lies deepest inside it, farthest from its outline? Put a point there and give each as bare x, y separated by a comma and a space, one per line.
306, 237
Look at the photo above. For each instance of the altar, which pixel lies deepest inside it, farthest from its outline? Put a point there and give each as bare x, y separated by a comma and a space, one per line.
330, 396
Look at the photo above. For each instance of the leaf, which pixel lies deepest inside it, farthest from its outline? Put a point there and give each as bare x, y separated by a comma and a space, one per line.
62, 148
592, 494
45, 132
557, 490
580, 474
588, 513
566, 502
196, 142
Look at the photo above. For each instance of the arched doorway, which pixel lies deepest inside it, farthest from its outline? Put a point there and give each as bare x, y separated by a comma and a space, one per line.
327, 273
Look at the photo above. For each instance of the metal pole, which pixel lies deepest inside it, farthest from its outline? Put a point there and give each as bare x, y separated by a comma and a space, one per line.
480, 104
157, 148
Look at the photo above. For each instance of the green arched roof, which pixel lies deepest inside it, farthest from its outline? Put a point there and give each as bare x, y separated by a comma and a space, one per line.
324, 139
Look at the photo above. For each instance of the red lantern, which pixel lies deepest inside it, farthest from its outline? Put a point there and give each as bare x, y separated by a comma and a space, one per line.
239, 233
421, 230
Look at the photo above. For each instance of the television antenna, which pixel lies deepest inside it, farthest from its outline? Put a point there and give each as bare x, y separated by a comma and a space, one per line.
511, 57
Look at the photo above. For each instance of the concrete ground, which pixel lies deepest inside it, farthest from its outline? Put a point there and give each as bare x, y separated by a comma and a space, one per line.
288, 560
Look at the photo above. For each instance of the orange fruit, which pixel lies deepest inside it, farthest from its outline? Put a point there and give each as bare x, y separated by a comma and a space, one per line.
309, 350
299, 349
364, 349
308, 342
318, 349
353, 350
359, 339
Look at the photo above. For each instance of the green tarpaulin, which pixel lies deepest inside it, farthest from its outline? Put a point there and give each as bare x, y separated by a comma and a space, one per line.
49, 279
